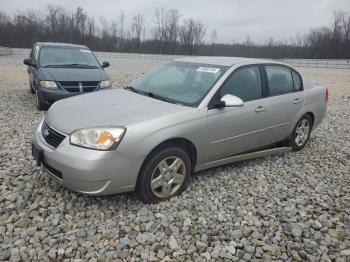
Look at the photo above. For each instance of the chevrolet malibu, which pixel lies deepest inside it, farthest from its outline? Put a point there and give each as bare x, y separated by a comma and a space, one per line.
59, 70
185, 116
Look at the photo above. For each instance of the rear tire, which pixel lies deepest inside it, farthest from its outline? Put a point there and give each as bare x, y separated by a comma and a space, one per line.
301, 133
164, 174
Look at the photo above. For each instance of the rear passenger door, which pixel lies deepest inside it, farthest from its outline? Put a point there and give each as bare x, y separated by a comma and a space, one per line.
285, 101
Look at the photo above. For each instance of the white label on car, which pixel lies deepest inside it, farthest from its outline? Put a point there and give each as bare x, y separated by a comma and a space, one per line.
85, 51
208, 69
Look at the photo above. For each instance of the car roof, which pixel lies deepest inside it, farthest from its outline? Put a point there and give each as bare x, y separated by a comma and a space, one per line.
224, 60
59, 44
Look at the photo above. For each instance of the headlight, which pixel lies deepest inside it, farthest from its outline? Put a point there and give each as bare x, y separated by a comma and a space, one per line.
48, 84
105, 84
100, 138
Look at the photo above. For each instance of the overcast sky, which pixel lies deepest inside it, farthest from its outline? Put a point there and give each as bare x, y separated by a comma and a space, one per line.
233, 19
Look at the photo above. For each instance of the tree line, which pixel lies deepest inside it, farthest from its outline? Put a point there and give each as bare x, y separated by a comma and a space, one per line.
166, 33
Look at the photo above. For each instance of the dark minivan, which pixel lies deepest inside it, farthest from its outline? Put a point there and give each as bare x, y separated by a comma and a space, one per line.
60, 70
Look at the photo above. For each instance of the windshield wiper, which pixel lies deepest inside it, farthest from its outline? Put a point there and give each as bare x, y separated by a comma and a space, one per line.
149, 94
52, 66
133, 89
70, 65
83, 65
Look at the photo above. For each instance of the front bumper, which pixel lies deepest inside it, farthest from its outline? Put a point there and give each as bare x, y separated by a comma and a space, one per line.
49, 96
88, 171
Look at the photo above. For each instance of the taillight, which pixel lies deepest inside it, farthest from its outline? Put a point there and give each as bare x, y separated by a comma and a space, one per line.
327, 95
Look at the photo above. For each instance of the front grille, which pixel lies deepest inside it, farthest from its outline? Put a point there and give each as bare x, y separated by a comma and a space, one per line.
51, 136
74, 86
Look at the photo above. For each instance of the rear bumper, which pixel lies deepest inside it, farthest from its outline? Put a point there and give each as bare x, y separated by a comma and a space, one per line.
88, 171
319, 117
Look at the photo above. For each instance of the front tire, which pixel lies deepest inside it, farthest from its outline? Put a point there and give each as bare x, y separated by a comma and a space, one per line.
301, 133
31, 88
164, 174
40, 105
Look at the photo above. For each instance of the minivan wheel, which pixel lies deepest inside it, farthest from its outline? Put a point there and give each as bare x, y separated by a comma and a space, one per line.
301, 133
164, 174
39, 103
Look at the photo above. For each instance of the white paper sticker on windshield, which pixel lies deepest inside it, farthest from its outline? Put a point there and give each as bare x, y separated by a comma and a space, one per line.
208, 69
85, 51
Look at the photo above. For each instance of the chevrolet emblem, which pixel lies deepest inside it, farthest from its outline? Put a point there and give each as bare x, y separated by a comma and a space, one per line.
46, 132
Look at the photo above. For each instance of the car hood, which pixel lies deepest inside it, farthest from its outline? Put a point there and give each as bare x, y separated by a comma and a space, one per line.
115, 107
74, 74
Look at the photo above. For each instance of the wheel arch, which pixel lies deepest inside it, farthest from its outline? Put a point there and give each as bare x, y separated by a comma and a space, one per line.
298, 117
184, 143
312, 116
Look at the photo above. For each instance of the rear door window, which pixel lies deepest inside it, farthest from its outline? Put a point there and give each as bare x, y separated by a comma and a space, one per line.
280, 80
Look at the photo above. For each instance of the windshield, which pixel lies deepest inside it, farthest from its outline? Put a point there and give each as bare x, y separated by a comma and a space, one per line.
67, 56
179, 82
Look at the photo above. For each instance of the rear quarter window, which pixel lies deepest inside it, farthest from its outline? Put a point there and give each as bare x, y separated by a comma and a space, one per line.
298, 84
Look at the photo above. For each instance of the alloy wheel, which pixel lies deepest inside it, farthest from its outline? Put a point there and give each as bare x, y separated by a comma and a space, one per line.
168, 177
302, 132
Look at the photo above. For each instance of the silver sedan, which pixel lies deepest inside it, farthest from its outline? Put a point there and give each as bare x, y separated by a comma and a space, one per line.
185, 116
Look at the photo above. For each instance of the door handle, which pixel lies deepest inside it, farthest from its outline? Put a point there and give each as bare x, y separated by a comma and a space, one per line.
260, 109
296, 101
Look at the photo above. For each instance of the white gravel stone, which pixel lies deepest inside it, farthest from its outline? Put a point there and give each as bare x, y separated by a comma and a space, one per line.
345, 252
172, 243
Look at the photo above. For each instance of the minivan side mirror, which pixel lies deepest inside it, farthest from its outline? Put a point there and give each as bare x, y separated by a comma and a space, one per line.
105, 64
230, 101
29, 62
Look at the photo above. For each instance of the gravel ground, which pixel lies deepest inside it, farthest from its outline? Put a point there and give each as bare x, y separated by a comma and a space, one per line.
294, 206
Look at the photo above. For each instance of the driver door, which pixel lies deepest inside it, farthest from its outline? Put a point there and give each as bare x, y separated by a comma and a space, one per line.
234, 130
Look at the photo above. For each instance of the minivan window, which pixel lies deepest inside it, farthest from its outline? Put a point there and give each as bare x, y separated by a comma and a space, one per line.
35, 54
57, 56
244, 83
31, 55
280, 80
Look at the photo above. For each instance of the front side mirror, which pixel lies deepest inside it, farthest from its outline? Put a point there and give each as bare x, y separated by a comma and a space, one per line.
231, 101
105, 64
29, 62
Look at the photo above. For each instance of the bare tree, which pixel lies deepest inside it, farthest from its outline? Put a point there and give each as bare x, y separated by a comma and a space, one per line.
213, 36
172, 29
165, 34
109, 35
52, 18
121, 24
191, 35
160, 27
137, 28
